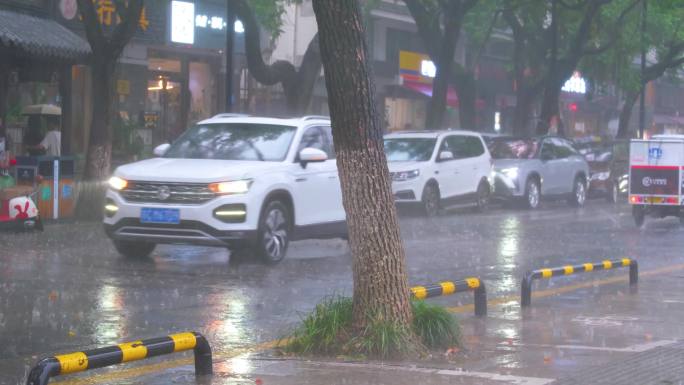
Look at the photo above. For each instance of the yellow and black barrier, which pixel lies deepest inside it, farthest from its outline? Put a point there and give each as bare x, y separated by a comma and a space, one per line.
57, 365
526, 289
448, 287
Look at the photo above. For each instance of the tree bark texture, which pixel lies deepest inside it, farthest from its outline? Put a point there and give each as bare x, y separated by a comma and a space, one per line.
380, 282
297, 84
626, 113
550, 109
106, 51
465, 83
100, 145
4, 89
440, 84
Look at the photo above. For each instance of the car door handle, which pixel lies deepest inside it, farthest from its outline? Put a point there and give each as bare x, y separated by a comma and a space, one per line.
300, 180
332, 177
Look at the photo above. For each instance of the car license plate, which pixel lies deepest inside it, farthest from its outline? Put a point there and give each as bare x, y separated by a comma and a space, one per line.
153, 215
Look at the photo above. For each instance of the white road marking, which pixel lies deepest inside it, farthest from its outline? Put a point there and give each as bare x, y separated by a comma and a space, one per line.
515, 380
510, 379
639, 348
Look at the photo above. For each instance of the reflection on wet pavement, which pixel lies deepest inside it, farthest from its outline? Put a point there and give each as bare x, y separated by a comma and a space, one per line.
69, 290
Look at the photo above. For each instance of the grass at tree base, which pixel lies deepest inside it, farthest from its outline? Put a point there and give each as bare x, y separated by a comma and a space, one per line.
327, 331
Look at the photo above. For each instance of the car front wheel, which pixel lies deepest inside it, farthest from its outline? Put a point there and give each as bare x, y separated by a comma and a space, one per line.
274, 232
431, 200
483, 193
614, 193
579, 193
532, 194
134, 249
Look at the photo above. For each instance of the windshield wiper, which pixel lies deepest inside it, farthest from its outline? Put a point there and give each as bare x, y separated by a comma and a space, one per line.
256, 150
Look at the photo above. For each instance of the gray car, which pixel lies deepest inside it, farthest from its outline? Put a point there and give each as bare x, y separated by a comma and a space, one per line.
530, 169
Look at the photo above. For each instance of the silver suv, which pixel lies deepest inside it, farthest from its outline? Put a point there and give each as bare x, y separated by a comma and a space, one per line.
534, 168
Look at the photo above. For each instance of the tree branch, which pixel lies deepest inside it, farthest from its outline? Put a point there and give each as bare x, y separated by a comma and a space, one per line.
428, 29
93, 29
126, 29
263, 73
614, 36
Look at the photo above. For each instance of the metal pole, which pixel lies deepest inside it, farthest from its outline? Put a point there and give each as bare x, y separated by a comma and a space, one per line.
481, 300
642, 101
526, 290
230, 38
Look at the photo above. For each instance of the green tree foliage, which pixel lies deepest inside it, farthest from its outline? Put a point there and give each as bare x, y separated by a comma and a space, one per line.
551, 39
664, 42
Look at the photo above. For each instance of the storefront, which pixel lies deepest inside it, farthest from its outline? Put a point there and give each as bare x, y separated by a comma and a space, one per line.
37, 58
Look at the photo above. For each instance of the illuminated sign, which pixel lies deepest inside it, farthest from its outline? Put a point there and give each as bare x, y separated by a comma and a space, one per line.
182, 22
427, 68
217, 23
416, 67
576, 84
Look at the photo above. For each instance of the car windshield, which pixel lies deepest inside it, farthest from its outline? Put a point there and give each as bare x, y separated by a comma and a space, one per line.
234, 141
514, 148
409, 149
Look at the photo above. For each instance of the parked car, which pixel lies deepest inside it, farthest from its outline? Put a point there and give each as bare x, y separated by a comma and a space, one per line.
530, 169
235, 181
609, 168
436, 169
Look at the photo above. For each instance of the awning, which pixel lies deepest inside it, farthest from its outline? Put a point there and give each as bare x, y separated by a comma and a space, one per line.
452, 96
36, 36
426, 89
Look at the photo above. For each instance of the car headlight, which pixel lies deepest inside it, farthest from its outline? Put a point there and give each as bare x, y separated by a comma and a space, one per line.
600, 175
231, 187
117, 183
511, 173
405, 175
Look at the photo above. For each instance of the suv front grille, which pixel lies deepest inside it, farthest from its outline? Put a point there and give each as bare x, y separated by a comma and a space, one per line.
160, 192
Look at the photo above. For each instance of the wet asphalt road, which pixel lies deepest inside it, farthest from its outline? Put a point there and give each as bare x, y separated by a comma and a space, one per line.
67, 289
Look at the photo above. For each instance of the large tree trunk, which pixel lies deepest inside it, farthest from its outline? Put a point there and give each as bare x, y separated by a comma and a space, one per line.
98, 157
550, 110
626, 114
437, 105
381, 289
91, 190
522, 112
465, 88
440, 84
299, 91
4, 88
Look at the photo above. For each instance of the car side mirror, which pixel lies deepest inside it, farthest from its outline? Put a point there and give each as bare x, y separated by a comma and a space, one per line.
311, 155
160, 150
446, 155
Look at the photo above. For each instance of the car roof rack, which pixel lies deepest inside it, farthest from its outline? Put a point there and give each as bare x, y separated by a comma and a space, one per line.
229, 115
315, 117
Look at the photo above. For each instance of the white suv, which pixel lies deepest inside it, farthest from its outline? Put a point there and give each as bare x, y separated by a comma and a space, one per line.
232, 180
439, 169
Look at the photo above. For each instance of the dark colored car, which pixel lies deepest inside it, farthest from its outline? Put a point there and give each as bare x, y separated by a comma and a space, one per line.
609, 168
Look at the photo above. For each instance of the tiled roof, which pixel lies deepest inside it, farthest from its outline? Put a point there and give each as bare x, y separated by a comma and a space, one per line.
40, 37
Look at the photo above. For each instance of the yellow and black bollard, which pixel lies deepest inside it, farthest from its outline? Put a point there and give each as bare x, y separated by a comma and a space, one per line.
526, 287
451, 287
60, 364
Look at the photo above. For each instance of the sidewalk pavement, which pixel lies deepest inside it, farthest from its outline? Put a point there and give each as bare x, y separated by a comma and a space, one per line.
601, 334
